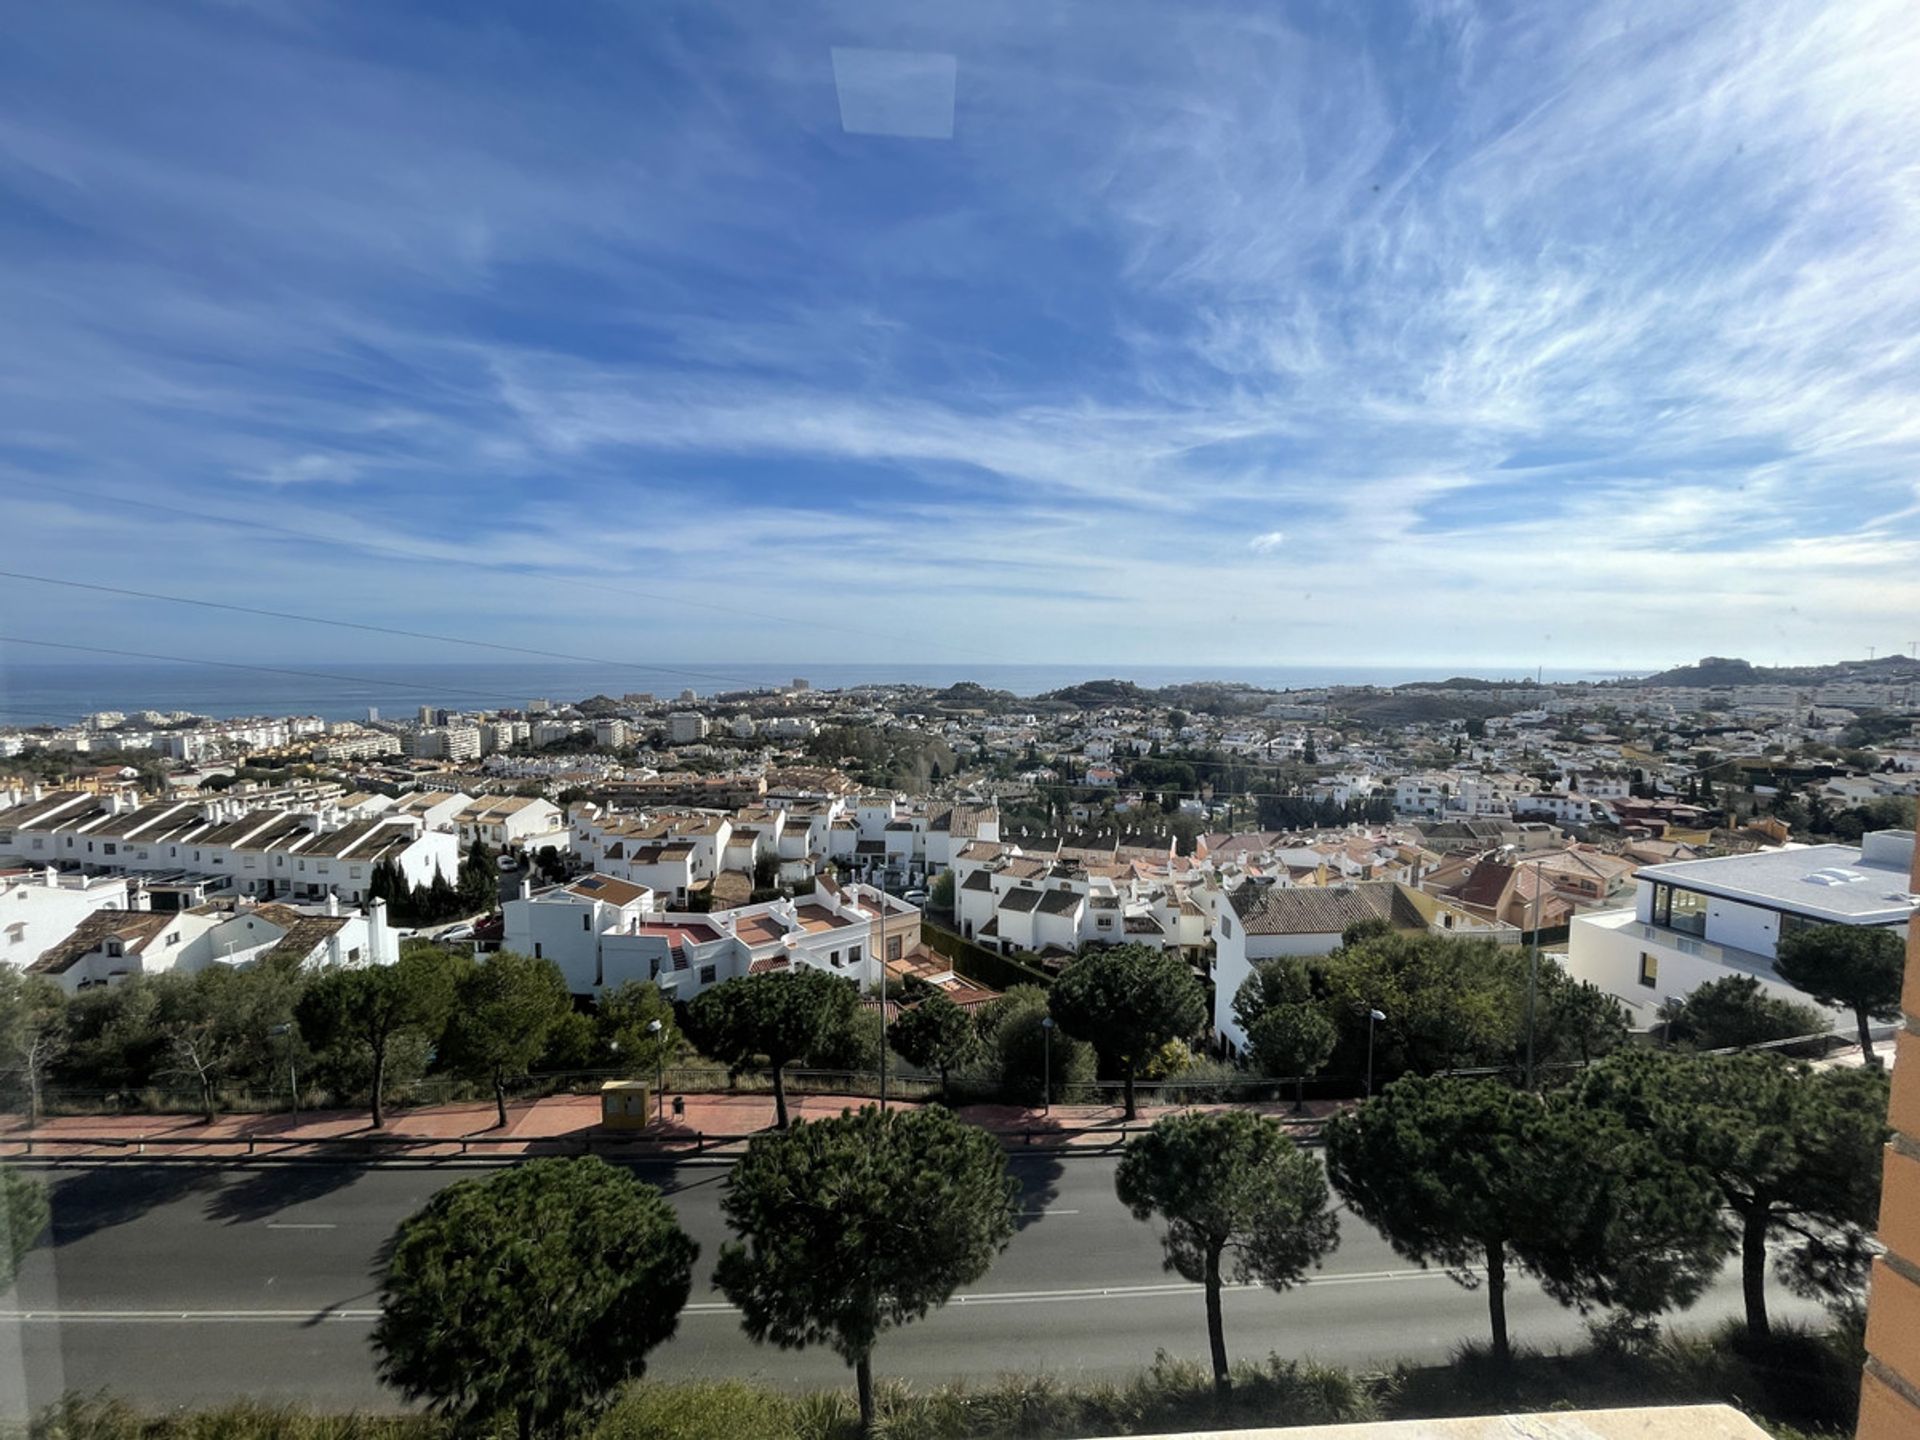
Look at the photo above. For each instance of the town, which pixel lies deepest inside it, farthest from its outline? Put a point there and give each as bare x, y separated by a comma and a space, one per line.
1033, 828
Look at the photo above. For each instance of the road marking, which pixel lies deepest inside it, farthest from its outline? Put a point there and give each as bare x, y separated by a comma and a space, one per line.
699, 1307
291, 1225
1049, 1212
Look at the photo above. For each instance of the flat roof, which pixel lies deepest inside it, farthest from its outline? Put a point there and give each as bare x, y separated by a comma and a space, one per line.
1825, 882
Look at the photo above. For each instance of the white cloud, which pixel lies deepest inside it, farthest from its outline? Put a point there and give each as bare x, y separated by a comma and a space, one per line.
1270, 541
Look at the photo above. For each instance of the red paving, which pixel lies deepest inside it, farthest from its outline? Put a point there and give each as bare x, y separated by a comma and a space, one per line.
559, 1123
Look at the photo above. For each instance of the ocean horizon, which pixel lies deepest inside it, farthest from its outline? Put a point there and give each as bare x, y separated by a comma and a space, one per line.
59, 694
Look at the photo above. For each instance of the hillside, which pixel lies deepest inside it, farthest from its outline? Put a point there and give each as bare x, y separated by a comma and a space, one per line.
1715, 670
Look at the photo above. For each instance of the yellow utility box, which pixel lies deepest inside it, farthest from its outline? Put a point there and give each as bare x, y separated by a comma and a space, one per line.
626, 1105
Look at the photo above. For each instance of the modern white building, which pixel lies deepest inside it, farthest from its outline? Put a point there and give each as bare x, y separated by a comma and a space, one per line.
1702, 920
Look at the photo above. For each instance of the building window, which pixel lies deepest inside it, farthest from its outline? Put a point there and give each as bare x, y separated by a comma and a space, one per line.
1649, 969
893, 947
353, 872
173, 937
707, 975
111, 848
853, 955
1677, 909
536, 951
17, 932
586, 922
353, 954
39, 843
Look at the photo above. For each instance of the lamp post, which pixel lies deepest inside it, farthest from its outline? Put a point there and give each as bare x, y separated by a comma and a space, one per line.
1046, 1064
660, 1072
293, 1075
1373, 1016
1533, 971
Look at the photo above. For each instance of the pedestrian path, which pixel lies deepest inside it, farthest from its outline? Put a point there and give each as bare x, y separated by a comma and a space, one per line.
557, 1124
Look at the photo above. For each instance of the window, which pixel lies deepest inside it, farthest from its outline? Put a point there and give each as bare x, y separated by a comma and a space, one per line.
353, 954
246, 862
353, 871
1649, 969
586, 921
536, 951
1677, 909
173, 937
17, 932
111, 848
893, 947
39, 843
853, 955
707, 975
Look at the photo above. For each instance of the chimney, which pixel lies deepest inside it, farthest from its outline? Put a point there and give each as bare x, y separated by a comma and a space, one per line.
526, 888
50, 877
333, 902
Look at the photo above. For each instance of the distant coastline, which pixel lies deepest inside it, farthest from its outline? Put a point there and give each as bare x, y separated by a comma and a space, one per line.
62, 694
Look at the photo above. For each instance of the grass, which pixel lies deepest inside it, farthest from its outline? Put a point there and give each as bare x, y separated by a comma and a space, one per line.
1801, 1384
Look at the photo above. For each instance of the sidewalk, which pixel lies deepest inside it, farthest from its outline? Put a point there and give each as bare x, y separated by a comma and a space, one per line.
563, 1124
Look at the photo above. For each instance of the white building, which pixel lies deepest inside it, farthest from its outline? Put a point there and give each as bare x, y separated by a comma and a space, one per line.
40, 907
610, 734
112, 945
686, 726
1260, 921
603, 932
1702, 920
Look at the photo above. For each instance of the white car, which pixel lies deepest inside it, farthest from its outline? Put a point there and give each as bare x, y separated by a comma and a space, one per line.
458, 932
915, 897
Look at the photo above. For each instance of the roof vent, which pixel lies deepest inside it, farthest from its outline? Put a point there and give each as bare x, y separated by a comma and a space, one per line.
1835, 875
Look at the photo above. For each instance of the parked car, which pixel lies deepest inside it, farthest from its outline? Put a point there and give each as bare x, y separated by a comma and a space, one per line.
458, 932
915, 897
509, 861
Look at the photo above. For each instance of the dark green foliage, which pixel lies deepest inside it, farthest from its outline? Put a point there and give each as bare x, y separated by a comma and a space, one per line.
1464, 1173
622, 1017
1127, 1002
1737, 1011
1240, 1202
361, 1011
1013, 1030
851, 1226
774, 1019
1794, 1153
531, 1296
1575, 1021
1854, 967
24, 1211
479, 882
1287, 1034
33, 1032
217, 1026
504, 1008
936, 1035
1449, 1002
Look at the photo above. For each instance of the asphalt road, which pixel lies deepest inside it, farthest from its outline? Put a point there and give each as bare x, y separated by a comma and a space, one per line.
182, 1284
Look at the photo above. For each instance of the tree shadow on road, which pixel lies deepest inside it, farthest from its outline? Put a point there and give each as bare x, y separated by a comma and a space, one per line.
1038, 1172
266, 1192
99, 1197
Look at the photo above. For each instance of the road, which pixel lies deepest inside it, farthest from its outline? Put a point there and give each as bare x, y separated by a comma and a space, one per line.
184, 1284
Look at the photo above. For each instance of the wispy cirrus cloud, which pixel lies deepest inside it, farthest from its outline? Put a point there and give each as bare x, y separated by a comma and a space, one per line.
1594, 332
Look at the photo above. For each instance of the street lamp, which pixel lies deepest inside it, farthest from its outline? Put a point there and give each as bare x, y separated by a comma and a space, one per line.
293, 1075
660, 1073
1046, 1064
1372, 1017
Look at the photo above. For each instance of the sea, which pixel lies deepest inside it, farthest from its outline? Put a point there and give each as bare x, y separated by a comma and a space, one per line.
61, 694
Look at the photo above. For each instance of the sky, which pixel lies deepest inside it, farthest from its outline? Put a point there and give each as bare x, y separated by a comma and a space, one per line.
1258, 334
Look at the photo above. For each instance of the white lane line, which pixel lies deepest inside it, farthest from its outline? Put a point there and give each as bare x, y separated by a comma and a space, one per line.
293, 1225
699, 1307
1049, 1212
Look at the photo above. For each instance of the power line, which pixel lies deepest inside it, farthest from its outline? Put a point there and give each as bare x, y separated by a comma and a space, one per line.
374, 629
239, 665
375, 548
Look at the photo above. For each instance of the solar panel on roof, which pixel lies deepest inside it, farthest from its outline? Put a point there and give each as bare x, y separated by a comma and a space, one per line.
591, 883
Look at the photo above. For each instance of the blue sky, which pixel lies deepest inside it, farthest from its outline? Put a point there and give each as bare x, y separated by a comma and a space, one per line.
1375, 334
